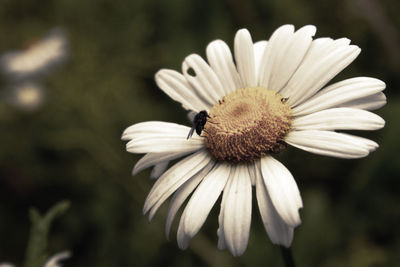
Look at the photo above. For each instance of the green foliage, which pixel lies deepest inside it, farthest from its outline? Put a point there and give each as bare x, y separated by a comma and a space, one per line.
36, 252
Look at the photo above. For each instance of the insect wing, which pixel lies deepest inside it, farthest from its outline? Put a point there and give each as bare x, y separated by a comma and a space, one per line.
191, 132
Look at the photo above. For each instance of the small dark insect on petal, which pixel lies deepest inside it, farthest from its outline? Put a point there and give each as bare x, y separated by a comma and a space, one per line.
199, 121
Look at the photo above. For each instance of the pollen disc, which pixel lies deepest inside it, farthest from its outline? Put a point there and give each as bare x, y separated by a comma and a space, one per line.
247, 124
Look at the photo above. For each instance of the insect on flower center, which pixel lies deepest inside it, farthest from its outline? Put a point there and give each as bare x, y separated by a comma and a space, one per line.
247, 124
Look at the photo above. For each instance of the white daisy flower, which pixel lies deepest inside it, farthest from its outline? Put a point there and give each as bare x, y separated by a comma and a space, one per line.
27, 96
54, 261
40, 58
274, 95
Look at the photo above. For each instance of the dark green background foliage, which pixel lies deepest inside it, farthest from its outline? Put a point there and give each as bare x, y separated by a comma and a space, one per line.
70, 147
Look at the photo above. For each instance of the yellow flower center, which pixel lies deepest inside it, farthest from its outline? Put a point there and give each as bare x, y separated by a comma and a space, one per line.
247, 124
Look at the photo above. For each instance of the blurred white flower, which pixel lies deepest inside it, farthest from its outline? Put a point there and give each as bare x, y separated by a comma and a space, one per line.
23, 70
25, 95
274, 94
51, 262
54, 260
40, 58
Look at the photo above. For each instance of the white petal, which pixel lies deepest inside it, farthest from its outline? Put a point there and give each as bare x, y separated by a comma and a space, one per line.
321, 63
151, 159
237, 211
182, 193
278, 231
159, 169
160, 137
331, 143
276, 45
162, 144
183, 240
158, 127
283, 55
203, 199
54, 260
176, 87
339, 119
322, 46
345, 93
175, 186
252, 173
259, 48
173, 178
244, 55
203, 78
220, 58
371, 102
220, 231
291, 58
282, 190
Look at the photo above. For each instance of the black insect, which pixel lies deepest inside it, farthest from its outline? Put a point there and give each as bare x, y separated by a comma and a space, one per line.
199, 121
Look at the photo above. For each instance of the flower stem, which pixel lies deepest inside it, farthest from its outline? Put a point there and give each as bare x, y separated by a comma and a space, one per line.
287, 257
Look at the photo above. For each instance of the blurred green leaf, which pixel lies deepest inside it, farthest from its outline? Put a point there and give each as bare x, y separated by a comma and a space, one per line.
36, 254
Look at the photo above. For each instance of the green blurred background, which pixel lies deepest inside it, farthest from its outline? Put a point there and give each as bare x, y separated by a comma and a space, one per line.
70, 147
